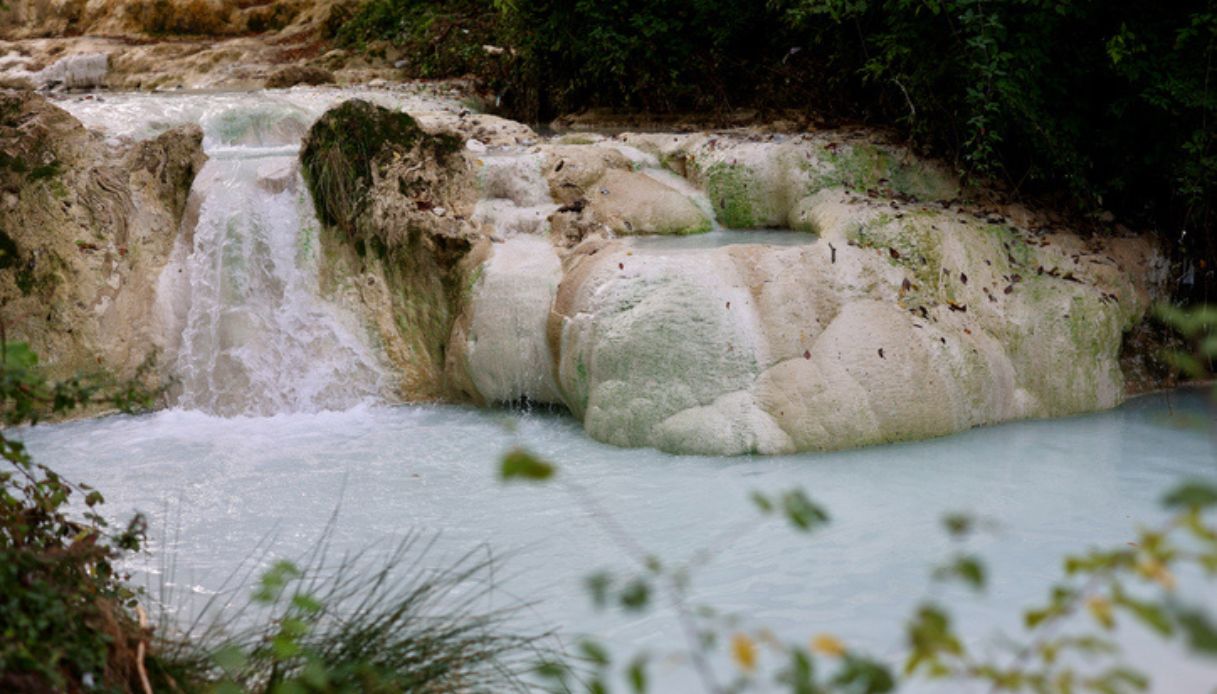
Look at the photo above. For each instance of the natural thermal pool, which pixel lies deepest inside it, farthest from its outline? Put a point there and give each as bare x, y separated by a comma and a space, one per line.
252, 336
223, 485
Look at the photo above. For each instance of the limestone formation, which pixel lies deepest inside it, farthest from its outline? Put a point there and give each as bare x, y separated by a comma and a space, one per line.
86, 227
905, 319
503, 267
776, 349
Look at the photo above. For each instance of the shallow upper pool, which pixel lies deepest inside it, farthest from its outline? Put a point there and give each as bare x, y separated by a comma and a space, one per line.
723, 237
223, 485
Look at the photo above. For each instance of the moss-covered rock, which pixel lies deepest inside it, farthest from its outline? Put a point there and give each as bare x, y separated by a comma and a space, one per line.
395, 204
756, 182
340, 151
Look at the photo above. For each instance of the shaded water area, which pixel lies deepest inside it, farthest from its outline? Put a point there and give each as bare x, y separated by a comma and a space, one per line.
223, 485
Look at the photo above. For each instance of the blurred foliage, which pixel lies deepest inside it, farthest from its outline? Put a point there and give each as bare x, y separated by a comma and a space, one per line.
640, 54
1197, 325
63, 616
1066, 645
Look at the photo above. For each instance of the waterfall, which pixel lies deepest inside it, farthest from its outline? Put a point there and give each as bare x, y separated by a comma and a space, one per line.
256, 337
247, 330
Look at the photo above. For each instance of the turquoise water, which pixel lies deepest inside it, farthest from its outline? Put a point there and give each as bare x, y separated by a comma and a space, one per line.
223, 485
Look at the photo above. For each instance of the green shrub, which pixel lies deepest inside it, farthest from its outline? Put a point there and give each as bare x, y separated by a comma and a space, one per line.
437, 39
63, 606
639, 54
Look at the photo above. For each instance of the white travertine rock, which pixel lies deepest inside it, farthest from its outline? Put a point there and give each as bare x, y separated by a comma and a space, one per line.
506, 350
904, 319
80, 71
902, 322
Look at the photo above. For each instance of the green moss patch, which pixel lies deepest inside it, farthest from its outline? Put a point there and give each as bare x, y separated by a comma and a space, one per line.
339, 153
731, 188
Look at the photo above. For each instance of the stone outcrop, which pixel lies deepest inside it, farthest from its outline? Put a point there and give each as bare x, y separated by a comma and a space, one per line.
899, 323
86, 227
395, 202
174, 44
903, 314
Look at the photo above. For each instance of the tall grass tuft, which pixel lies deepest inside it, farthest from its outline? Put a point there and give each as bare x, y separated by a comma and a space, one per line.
396, 623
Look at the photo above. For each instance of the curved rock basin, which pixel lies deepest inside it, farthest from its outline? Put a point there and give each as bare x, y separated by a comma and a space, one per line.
219, 486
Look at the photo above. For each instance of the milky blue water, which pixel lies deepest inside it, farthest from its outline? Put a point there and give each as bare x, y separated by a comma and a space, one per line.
221, 486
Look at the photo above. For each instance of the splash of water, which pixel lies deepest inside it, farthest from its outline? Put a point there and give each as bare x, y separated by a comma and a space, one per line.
257, 338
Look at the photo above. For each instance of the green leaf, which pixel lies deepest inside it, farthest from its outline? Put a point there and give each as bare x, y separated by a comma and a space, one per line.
967, 569
864, 676
1200, 631
800, 676
306, 603
553, 670
229, 658
519, 464
637, 674
315, 674
958, 524
598, 585
594, 653
275, 579
634, 597
1149, 614
1191, 495
762, 502
801, 512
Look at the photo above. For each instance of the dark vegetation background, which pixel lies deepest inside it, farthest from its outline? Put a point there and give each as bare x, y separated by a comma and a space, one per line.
1094, 107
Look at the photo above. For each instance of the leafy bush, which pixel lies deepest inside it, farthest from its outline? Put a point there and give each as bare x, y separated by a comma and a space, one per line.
639, 54
63, 618
437, 39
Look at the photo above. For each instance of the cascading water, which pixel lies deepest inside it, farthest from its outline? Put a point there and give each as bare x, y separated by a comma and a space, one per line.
248, 332
257, 339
